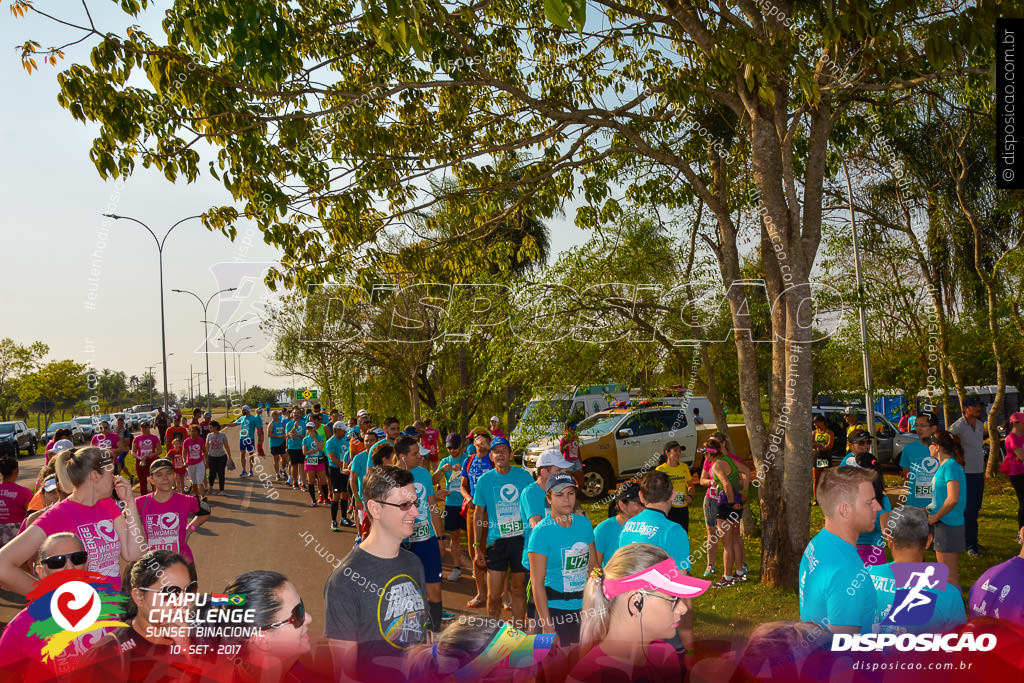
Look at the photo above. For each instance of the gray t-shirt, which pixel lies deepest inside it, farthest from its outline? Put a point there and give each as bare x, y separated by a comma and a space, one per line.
972, 439
215, 444
380, 604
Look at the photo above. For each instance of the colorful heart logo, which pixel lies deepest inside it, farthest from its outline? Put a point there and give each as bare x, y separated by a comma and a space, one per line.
169, 520
509, 493
930, 465
75, 606
106, 531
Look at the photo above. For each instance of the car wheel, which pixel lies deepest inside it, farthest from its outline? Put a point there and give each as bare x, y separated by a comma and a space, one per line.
598, 478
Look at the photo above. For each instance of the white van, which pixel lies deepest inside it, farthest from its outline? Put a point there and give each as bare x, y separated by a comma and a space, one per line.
546, 415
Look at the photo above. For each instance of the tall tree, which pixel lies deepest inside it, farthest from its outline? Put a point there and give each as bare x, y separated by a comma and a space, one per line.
16, 360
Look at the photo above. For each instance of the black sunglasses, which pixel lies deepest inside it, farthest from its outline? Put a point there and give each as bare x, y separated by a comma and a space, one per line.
297, 618
404, 507
58, 561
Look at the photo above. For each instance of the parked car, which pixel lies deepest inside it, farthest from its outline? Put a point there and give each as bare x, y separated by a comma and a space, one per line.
890, 440
77, 435
132, 420
626, 440
16, 437
85, 422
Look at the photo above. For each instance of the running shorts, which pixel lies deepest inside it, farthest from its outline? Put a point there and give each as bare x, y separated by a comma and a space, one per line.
278, 450
197, 472
295, 456
339, 481
506, 554
429, 552
246, 445
453, 519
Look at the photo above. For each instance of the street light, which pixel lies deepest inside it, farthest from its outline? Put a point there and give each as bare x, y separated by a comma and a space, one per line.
160, 250
224, 342
206, 332
150, 369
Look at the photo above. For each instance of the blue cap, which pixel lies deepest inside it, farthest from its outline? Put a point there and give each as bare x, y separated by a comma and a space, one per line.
379, 432
500, 441
411, 431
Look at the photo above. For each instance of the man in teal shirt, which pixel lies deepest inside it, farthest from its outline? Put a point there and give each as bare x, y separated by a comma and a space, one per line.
910, 536
918, 464
835, 589
338, 473
277, 430
295, 432
250, 439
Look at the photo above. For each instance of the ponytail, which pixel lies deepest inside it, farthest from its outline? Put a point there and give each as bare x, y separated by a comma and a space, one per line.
950, 443
74, 465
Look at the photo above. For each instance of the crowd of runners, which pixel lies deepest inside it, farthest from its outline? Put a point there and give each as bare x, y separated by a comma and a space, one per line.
558, 591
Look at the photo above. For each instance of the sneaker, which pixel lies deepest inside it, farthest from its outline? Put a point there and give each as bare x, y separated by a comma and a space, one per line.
455, 574
973, 552
347, 523
334, 526
741, 577
446, 615
746, 570
710, 571
312, 504
322, 500
291, 482
243, 474
724, 582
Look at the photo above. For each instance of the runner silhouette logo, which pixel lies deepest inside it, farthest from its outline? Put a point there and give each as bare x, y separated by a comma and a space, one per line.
915, 600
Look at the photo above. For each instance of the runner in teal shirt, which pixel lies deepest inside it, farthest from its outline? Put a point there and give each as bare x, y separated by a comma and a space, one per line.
277, 430
360, 463
452, 478
835, 589
568, 550
921, 467
949, 471
499, 495
422, 529
652, 526
606, 538
531, 503
295, 443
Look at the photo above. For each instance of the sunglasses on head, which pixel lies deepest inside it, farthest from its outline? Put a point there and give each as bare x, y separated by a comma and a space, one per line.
296, 619
404, 507
172, 590
58, 561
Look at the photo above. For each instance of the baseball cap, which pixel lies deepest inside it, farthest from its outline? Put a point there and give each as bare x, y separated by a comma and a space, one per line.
453, 440
411, 431
558, 481
143, 423
379, 432
494, 418
849, 410
858, 435
245, 409
628, 491
310, 425
340, 425
361, 412
552, 457
159, 464
972, 400
1017, 417
499, 441
62, 445
672, 444
482, 431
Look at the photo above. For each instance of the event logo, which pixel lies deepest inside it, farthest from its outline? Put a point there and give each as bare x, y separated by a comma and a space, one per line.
509, 493
169, 521
70, 603
105, 530
914, 604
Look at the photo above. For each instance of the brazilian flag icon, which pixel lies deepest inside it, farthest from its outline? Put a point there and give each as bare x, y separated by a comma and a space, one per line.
238, 599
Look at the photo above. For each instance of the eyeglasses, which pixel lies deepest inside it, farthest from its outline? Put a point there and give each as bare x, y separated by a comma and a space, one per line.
404, 507
670, 598
58, 561
297, 618
172, 590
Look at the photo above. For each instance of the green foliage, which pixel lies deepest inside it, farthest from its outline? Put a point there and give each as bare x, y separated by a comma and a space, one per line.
16, 361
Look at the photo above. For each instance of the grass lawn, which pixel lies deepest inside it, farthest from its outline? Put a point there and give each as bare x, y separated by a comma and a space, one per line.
729, 613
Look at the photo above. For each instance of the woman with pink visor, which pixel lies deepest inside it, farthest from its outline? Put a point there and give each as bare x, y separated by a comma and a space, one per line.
629, 610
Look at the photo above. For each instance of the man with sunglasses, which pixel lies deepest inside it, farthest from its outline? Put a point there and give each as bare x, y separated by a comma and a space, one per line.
21, 653
375, 601
860, 442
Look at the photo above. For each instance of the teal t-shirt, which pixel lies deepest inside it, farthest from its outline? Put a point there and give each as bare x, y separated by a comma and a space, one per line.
422, 529
499, 495
277, 429
849, 460
652, 526
874, 537
249, 425
921, 468
949, 605
947, 472
317, 456
360, 464
531, 503
338, 448
568, 553
835, 589
453, 479
606, 538
300, 427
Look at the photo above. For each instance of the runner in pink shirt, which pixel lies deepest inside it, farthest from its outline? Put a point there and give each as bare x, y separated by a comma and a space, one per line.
195, 459
106, 438
431, 440
146, 448
89, 512
14, 500
169, 517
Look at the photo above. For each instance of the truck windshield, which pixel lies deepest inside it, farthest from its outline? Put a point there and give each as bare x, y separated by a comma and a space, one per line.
6, 428
598, 425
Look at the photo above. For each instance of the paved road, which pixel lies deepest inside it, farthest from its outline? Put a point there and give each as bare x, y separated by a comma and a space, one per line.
249, 530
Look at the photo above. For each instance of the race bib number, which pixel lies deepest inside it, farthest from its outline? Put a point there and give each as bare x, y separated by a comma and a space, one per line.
821, 462
510, 528
679, 499
575, 561
420, 531
923, 490
313, 459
